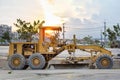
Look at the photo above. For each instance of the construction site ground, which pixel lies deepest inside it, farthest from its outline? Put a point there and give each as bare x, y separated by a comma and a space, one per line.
59, 74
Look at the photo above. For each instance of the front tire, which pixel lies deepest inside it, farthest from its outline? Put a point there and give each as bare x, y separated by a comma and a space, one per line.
104, 62
36, 61
16, 62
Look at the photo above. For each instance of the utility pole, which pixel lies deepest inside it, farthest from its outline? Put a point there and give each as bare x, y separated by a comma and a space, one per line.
105, 33
101, 38
63, 32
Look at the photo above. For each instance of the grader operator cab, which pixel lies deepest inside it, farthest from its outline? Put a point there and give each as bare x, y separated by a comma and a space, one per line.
37, 55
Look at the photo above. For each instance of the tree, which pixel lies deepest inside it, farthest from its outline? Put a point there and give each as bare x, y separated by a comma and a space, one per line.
97, 41
117, 30
6, 36
88, 39
2, 40
26, 29
113, 34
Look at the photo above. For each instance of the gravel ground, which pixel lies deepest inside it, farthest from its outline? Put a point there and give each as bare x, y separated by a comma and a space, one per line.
74, 74
4, 50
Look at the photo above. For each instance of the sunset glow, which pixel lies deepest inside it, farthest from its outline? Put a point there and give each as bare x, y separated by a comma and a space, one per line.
50, 18
49, 33
85, 14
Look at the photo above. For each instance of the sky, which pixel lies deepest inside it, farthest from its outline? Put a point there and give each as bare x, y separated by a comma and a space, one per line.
81, 17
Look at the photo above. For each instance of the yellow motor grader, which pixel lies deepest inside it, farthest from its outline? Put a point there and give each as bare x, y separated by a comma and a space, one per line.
37, 55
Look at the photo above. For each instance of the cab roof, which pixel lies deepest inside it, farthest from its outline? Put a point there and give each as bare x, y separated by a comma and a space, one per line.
52, 28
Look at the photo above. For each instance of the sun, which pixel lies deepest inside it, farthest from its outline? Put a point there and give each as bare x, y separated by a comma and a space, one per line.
50, 18
49, 33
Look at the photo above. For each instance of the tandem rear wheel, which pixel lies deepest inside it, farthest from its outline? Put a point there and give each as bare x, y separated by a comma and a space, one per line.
17, 62
35, 61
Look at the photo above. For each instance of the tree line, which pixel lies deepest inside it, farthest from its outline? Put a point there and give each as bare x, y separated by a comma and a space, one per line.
27, 29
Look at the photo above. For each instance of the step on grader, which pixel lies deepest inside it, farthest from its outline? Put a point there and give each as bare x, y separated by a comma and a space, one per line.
37, 55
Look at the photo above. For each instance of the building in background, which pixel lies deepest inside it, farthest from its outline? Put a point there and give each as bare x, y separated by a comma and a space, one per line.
15, 37
4, 28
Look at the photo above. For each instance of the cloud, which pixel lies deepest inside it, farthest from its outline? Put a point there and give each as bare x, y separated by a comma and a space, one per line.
79, 14
63, 8
109, 11
82, 9
76, 12
11, 10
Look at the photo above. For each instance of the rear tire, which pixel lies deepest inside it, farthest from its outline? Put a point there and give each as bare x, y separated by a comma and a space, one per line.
16, 62
104, 62
36, 61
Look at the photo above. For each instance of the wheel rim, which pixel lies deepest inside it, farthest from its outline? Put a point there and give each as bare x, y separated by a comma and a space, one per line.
16, 62
36, 61
105, 62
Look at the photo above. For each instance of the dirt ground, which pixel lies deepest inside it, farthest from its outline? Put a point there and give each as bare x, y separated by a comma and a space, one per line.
69, 74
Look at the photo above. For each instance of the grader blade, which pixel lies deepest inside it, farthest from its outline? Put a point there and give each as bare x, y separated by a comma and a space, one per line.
69, 66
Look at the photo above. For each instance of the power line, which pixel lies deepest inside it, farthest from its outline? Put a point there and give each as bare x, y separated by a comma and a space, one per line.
85, 29
82, 28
